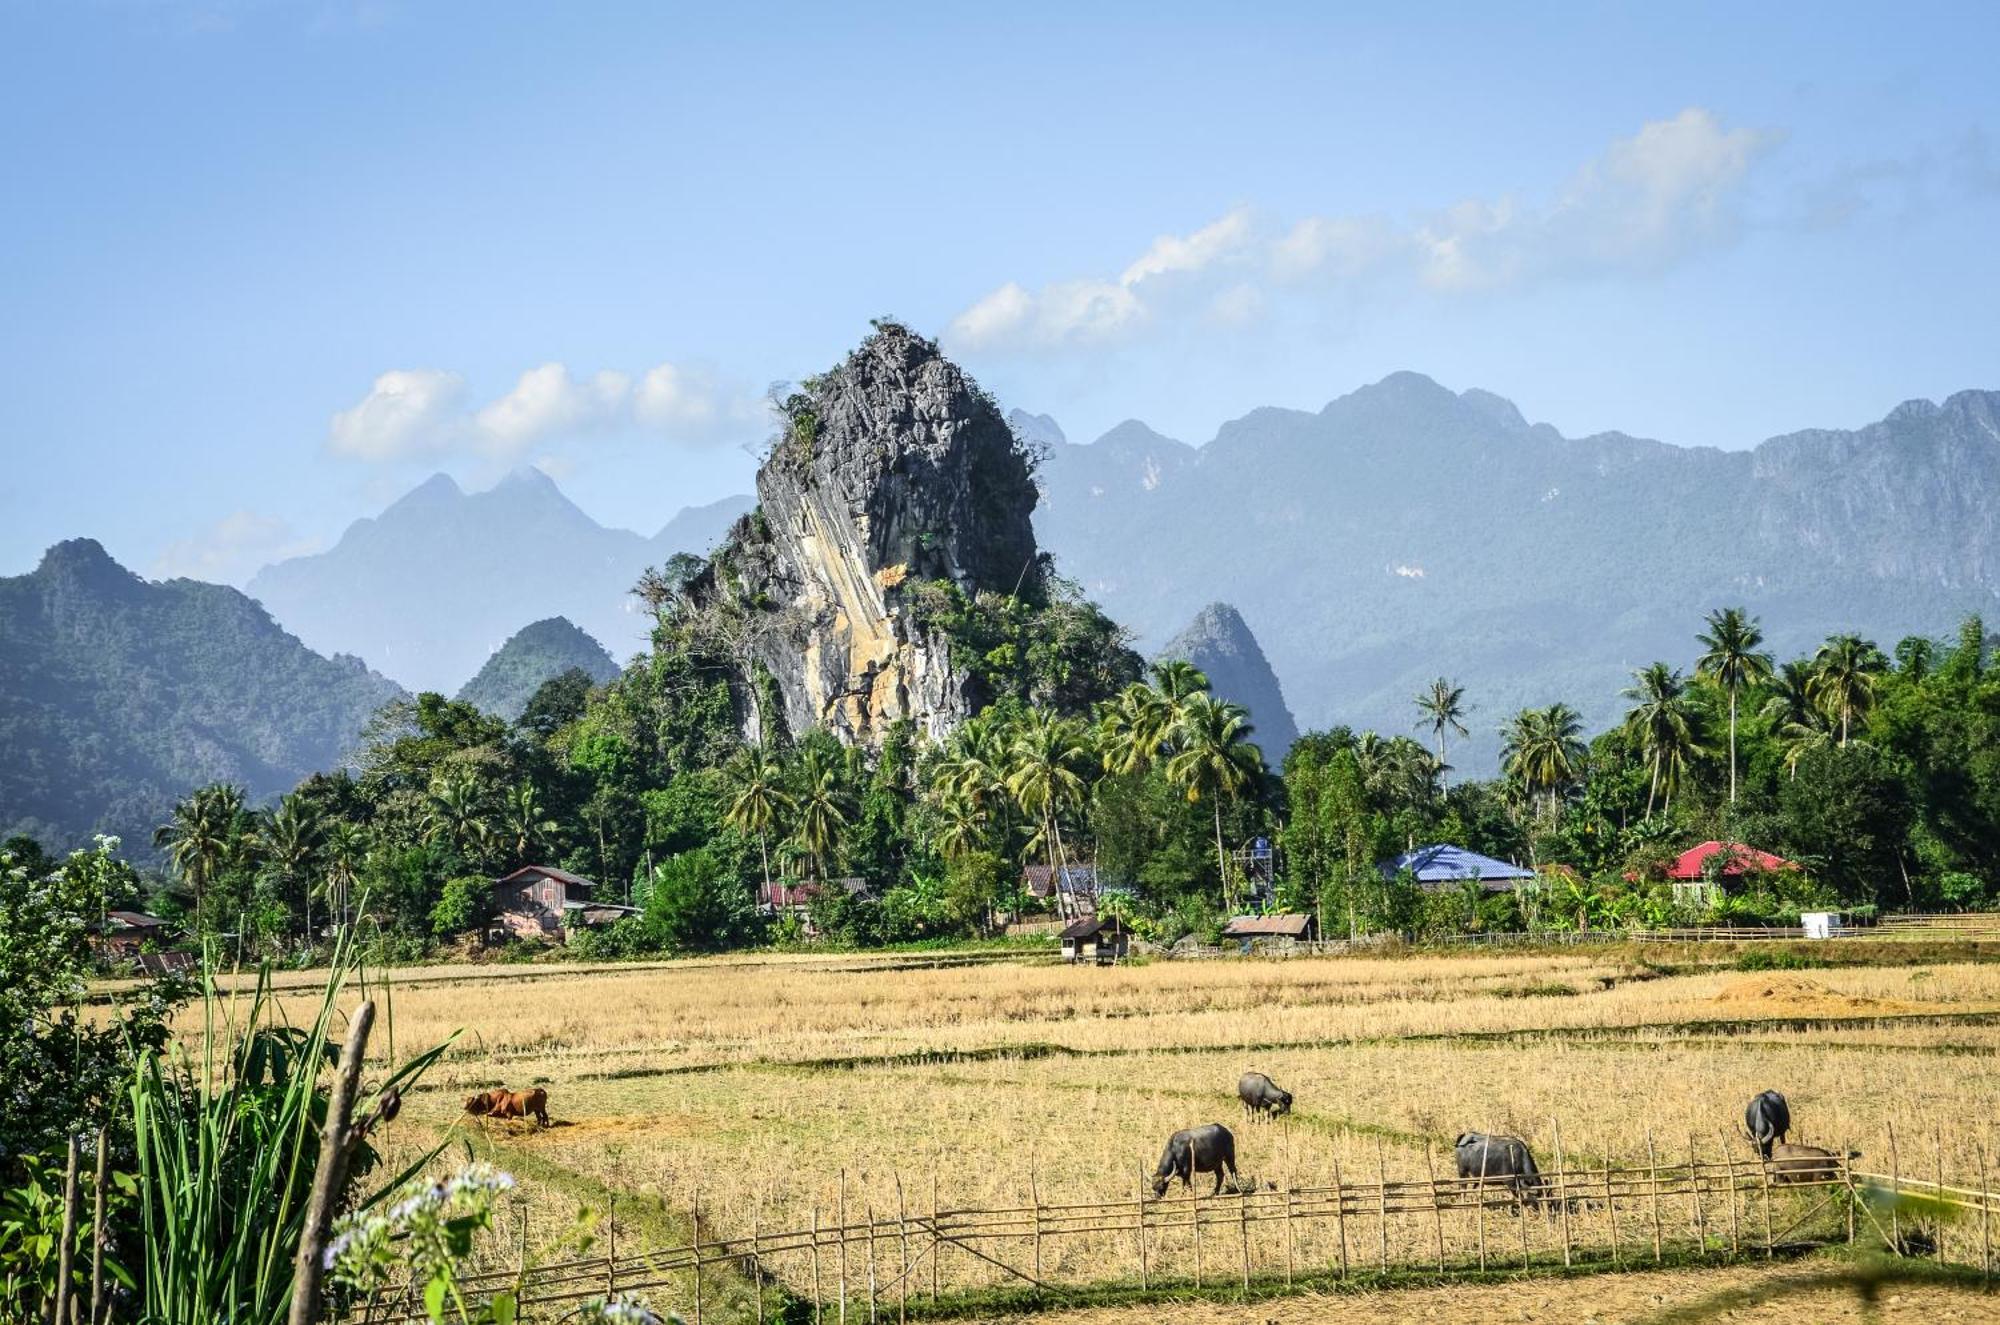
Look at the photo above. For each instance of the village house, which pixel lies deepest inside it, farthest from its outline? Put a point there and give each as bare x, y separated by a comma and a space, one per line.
125, 934
1072, 887
1099, 939
1271, 932
541, 901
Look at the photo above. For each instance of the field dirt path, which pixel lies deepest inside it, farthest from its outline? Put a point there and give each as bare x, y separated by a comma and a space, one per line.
1610, 1299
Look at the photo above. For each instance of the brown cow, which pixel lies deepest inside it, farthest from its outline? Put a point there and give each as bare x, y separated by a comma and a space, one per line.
1791, 1163
507, 1104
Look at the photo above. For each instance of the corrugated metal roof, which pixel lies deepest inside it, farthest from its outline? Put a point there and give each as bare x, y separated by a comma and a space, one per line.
545, 871
1278, 926
1443, 863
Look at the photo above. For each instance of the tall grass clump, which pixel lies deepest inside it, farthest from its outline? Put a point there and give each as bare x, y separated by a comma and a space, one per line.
228, 1133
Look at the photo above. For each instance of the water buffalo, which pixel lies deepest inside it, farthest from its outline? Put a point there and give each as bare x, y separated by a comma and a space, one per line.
1260, 1094
504, 1104
1206, 1149
1768, 1118
1504, 1160
1799, 1164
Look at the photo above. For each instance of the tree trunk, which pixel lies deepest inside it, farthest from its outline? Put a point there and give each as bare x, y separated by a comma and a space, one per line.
1221, 857
1732, 745
764, 850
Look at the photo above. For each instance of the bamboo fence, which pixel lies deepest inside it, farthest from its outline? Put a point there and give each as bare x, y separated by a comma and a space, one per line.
847, 1264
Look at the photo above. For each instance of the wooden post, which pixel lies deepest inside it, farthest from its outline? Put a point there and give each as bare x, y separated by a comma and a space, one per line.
66, 1250
1291, 1187
1735, 1232
937, 1234
97, 1303
817, 1306
1653, 1172
1194, 1195
1340, 1216
1985, 1217
1243, 1230
1770, 1248
1479, 1215
1437, 1214
1611, 1204
697, 1255
902, 1255
1382, 1204
1896, 1190
611, 1242
1694, 1186
1562, 1189
329, 1175
868, 1213
1035, 1197
1937, 1157
841, 1214
1847, 1175
1139, 1228
757, 1254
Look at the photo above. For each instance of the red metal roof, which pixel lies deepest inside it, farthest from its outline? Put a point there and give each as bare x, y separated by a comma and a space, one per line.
1688, 865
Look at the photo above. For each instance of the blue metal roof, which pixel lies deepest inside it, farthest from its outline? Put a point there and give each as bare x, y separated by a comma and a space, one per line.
1443, 863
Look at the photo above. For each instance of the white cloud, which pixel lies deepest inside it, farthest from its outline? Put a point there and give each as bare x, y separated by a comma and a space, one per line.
1648, 200
414, 414
232, 549
407, 411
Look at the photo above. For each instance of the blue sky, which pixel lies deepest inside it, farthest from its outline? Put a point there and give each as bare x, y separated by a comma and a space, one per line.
264, 266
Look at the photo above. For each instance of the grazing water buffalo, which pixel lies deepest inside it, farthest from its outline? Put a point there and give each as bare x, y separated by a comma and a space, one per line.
1207, 1149
1260, 1094
1768, 1118
1795, 1163
503, 1103
1505, 1160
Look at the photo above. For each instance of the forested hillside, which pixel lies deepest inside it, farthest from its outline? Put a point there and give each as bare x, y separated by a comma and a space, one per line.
535, 654
118, 695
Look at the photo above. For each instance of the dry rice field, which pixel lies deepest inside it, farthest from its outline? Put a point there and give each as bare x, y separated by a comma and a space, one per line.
759, 1090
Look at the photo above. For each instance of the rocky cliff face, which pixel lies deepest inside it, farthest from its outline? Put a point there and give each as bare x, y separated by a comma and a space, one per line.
893, 472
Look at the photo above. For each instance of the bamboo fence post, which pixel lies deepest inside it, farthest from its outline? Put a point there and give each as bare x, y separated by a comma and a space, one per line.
330, 1170
1735, 1231
937, 1234
757, 1254
868, 1213
1382, 1204
1847, 1176
1653, 1173
97, 1227
1985, 1218
1896, 1192
903, 1256
1194, 1195
1035, 1196
1694, 1186
1340, 1216
841, 1214
818, 1306
697, 1255
611, 1241
1479, 1217
1139, 1228
1770, 1250
1291, 1187
1437, 1214
1611, 1204
1562, 1189
66, 1252
1243, 1230
1937, 1159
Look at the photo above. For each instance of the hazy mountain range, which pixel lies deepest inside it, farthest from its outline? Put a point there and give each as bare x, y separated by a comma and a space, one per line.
118, 695
1406, 531
1221, 645
430, 588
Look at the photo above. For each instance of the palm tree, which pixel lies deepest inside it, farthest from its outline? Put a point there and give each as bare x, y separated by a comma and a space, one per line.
524, 822
1844, 672
757, 799
962, 826
1176, 678
1042, 778
1443, 707
822, 809
456, 812
205, 833
1732, 661
1543, 750
1214, 760
342, 851
1793, 713
289, 835
1663, 722
1134, 727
